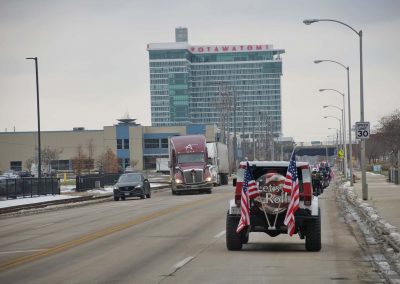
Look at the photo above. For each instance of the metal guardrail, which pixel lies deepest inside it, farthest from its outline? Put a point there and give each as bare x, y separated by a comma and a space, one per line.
28, 187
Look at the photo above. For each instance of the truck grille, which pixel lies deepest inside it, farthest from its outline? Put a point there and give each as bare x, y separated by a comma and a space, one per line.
193, 176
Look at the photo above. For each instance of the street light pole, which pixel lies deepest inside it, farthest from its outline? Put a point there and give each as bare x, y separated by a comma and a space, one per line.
340, 125
343, 136
344, 128
350, 156
360, 33
38, 117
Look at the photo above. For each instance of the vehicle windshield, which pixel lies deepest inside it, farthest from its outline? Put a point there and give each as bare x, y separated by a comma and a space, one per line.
130, 178
191, 158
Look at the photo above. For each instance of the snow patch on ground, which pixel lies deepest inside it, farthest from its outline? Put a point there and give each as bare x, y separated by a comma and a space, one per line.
375, 229
30, 200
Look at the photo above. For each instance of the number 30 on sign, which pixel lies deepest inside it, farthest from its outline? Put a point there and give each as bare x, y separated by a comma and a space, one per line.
362, 130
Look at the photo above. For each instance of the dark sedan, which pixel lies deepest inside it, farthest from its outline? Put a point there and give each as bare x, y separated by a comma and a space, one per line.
132, 185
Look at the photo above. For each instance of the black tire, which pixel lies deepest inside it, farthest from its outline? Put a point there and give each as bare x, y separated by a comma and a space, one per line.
233, 239
244, 237
116, 198
149, 194
122, 197
209, 191
313, 234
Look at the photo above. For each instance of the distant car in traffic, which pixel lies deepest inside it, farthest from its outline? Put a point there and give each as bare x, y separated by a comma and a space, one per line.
132, 185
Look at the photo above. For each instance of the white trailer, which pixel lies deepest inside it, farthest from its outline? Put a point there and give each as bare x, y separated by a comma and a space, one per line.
218, 157
162, 165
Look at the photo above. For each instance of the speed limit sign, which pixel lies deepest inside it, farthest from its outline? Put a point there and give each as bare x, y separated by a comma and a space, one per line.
362, 130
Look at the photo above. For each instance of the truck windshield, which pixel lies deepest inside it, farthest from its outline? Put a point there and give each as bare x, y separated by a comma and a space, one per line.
191, 158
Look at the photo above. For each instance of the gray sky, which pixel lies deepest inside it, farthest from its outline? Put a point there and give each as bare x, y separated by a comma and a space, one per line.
93, 63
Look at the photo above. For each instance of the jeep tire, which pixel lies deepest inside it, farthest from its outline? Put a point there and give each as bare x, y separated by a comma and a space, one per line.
313, 233
233, 239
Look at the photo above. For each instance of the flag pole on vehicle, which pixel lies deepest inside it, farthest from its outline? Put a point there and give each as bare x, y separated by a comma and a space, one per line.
292, 186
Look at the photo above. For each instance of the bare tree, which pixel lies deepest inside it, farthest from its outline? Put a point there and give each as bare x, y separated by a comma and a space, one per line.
107, 162
91, 150
79, 162
389, 127
49, 155
29, 162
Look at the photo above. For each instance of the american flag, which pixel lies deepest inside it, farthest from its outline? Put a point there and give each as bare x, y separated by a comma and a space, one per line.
249, 191
292, 186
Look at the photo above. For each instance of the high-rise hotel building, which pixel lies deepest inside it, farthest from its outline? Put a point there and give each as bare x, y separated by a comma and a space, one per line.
215, 84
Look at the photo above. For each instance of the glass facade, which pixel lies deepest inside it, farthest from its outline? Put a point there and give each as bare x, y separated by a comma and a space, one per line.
216, 85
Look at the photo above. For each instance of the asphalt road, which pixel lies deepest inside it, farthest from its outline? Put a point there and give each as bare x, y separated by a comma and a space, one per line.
171, 239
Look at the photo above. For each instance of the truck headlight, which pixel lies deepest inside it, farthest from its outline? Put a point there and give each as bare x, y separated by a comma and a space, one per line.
177, 180
208, 179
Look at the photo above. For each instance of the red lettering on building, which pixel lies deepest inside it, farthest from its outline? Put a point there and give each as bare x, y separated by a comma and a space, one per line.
258, 47
208, 48
225, 48
200, 49
216, 49
234, 48
192, 49
241, 47
249, 47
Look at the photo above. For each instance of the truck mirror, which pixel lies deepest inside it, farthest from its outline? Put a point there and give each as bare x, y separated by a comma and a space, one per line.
234, 181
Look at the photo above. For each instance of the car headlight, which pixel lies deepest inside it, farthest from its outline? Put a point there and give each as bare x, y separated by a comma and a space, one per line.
178, 180
138, 186
115, 187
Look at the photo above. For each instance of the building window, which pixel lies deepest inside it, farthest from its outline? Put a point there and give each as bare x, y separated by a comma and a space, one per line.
164, 143
126, 143
16, 166
151, 143
119, 143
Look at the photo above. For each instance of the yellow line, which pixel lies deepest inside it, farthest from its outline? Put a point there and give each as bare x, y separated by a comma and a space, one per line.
96, 235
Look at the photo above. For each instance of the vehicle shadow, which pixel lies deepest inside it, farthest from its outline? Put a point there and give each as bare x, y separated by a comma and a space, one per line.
274, 247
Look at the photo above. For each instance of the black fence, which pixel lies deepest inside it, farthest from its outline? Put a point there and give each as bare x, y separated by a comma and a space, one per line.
393, 176
28, 187
89, 181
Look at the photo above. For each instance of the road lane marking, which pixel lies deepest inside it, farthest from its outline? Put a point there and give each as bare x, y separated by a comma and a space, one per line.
19, 251
220, 234
101, 233
183, 262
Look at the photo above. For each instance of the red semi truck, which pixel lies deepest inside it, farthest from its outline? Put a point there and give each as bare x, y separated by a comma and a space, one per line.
188, 164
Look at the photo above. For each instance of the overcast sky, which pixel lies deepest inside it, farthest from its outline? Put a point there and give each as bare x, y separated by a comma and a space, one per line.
93, 63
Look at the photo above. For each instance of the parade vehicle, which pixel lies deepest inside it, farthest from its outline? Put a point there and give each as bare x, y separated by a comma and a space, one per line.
268, 210
188, 164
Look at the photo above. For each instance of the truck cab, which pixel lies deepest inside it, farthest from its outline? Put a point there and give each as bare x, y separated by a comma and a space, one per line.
188, 164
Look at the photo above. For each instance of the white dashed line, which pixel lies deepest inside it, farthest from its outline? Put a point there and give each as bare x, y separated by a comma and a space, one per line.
183, 262
220, 234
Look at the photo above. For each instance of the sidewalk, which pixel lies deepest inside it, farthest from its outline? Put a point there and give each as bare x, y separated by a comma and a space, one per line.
382, 195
